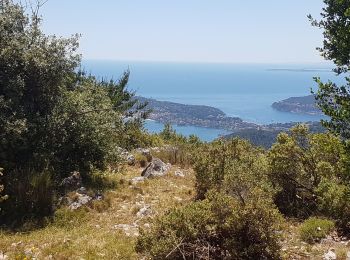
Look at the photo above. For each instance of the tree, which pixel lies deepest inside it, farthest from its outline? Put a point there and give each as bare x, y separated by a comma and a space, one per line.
53, 119
332, 99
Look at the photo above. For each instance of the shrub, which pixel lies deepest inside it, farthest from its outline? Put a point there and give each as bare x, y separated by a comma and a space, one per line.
180, 154
334, 202
234, 160
219, 227
298, 162
314, 229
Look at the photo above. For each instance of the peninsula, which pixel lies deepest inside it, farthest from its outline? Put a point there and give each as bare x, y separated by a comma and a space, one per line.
299, 105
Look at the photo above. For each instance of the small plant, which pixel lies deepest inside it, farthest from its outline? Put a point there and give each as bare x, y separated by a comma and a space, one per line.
314, 229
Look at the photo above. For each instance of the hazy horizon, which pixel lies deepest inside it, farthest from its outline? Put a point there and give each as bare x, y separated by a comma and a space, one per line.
195, 31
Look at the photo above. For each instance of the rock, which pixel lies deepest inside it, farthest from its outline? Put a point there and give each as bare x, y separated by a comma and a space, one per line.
137, 179
179, 173
144, 211
155, 168
82, 190
145, 152
126, 156
80, 201
330, 255
72, 182
348, 255
131, 160
3, 256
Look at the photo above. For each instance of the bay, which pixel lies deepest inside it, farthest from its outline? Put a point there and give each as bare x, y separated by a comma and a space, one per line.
243, 90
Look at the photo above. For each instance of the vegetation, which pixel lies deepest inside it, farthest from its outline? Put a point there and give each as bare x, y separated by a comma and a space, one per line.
53, 119
314, 229
334, 100
219, 227
226, 199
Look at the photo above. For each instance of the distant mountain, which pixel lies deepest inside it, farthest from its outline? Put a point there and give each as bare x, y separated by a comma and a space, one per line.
300, 105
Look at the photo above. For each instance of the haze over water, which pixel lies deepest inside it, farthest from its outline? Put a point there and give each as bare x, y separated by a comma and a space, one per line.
243, 90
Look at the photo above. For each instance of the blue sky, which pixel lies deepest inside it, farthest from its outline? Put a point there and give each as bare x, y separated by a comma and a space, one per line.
235, 31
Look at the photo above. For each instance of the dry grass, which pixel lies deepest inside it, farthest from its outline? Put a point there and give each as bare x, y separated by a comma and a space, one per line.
94, 233
294, 248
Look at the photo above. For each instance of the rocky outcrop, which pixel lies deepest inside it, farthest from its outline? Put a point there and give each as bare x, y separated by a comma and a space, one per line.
156, 168
72, 182
79, 198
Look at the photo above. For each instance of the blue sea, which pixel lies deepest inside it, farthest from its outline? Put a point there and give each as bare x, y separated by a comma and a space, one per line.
243, 90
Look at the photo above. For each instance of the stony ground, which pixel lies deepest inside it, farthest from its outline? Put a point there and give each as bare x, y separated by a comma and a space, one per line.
110, 232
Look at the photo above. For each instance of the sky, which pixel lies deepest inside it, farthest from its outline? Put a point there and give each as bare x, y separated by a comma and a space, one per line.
223, 31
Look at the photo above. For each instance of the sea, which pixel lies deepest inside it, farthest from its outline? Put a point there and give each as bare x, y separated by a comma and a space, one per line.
241, 90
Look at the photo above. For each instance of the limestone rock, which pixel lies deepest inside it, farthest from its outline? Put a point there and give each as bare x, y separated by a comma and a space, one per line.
72, 182
81, 200
131, 160
156, 168
330, 255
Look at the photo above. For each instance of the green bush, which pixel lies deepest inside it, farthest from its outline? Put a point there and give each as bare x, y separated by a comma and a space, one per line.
314, 229
219, 227
298, 162
234, 165
334, 202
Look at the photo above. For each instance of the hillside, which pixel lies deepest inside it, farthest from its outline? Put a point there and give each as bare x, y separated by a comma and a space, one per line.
111, 230
265, 136
194, 115
300, 105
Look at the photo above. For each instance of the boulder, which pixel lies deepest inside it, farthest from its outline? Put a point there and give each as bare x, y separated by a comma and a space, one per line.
72, 182
80, 201
155, 168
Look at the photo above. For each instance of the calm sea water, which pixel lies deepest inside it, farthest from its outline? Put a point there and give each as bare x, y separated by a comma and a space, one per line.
243, 90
